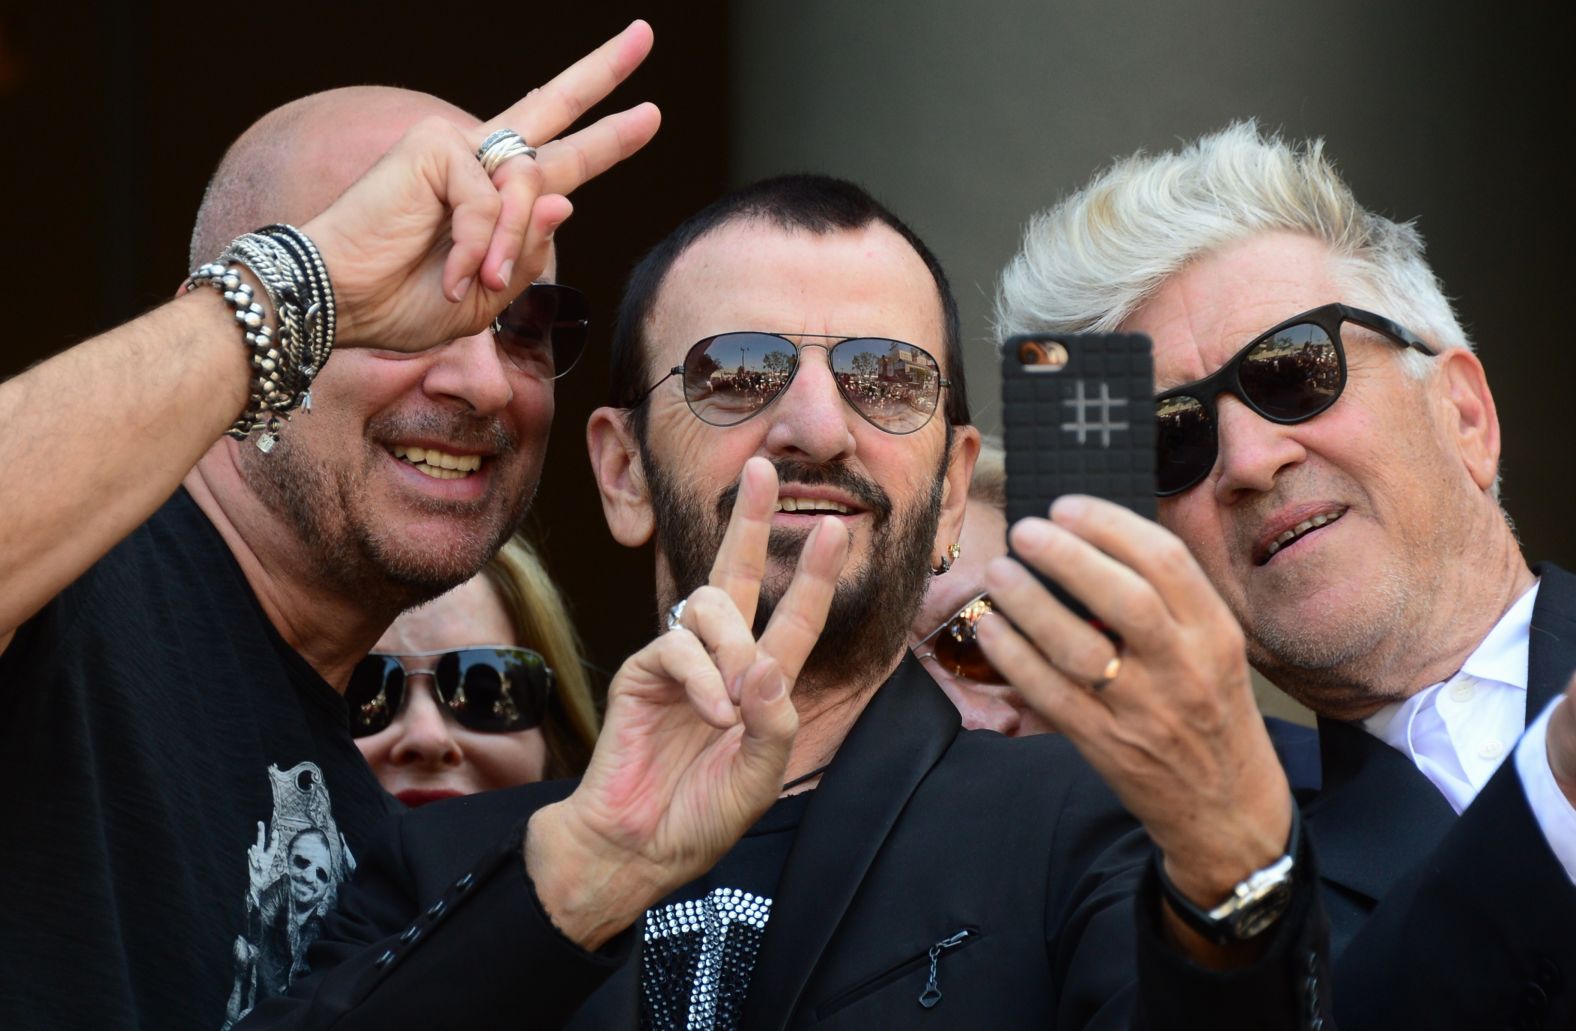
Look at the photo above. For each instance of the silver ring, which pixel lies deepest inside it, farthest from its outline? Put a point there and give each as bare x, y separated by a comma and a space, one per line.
675, 614
499, 147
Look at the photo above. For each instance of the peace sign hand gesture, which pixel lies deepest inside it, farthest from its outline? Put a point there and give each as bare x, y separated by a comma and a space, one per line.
427, 247
699, 727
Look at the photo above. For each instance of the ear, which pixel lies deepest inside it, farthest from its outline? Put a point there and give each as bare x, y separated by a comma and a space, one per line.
1471, 421
955, 487
620, 476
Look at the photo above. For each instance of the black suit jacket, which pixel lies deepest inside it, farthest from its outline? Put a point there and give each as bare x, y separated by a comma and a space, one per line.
1439, 921
918, 830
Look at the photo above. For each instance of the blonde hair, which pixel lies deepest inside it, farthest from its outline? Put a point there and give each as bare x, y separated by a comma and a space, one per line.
542, 621
1092, 260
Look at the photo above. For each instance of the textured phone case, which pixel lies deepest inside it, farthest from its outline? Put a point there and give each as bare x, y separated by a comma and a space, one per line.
1087, 428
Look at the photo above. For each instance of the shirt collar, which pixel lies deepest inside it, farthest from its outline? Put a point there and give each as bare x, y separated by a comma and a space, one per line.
1502, 656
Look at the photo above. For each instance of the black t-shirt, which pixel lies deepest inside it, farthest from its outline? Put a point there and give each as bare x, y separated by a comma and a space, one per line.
701, 942
184, 795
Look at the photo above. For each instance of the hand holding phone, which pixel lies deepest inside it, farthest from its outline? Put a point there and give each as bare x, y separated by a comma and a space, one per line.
1078, 417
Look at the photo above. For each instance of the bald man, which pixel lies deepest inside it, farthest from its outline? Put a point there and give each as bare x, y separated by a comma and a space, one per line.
180, 609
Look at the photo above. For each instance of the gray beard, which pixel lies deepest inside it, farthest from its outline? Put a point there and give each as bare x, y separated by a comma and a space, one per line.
867, 624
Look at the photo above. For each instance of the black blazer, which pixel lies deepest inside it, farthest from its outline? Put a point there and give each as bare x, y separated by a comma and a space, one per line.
1439, 921
918, 830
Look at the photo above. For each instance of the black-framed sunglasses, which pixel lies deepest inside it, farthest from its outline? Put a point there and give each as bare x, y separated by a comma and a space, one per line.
729, 377
494, 688
544, 329
956, 647
1287, 374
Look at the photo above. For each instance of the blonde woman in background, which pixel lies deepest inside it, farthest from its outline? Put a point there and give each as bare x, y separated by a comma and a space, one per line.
481, 688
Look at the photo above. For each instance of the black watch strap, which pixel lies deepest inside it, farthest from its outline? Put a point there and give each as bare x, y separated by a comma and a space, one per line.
1254, 904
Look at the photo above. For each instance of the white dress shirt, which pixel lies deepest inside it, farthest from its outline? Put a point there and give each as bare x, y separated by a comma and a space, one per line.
1459, 731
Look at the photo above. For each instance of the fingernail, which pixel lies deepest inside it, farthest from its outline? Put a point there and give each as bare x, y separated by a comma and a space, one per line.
506, 270
462, 288
1032, 532
1070, 505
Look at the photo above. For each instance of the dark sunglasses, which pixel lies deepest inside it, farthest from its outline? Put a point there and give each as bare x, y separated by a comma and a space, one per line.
494, 689
729, 377
544, 329
1287, 375
956, 648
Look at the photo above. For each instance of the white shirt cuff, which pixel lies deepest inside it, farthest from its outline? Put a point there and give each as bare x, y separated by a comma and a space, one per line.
1555, 815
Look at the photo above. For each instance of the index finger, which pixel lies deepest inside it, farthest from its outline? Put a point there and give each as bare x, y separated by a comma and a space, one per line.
1144, 546
801, 614
741, 560
547, 111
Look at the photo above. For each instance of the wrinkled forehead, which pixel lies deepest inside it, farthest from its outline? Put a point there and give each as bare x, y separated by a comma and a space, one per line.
1206, 312
752, 275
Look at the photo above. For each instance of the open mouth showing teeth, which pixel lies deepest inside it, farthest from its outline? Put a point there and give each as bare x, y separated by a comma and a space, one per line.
1296, 532
440, 465
811, 505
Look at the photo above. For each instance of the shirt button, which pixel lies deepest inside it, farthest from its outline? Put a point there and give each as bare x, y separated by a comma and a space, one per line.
1462, 693
1493, 748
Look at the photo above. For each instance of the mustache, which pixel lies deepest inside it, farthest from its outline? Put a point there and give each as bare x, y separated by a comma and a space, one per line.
477, 433
867, 492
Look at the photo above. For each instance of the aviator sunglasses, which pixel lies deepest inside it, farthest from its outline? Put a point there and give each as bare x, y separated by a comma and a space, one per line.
493, 689
955, 646
731, 376
1287, 375
545, 328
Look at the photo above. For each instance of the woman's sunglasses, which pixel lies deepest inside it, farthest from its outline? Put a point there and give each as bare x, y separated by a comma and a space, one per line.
544, 329
1287, 375
729, 377
494, 689
956, 648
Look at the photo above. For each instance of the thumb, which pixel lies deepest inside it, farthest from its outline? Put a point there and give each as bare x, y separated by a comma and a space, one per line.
770, 723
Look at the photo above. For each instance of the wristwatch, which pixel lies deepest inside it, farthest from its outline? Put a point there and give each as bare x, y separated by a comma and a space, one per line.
1254, 904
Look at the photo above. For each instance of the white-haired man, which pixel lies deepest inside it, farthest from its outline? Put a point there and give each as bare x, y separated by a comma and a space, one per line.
1329, 450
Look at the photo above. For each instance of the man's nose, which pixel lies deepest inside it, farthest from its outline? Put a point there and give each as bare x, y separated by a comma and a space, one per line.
425, 736
810, 421
473, 371
1251, 451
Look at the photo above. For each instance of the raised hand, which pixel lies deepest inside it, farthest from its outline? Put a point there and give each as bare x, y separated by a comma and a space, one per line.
699, 727
1176, 734
426, 248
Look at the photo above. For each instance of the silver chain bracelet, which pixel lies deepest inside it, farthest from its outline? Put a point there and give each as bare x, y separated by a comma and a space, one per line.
285, 360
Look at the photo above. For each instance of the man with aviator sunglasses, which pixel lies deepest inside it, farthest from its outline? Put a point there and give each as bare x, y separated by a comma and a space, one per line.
188, 579
1336, 475
715, 868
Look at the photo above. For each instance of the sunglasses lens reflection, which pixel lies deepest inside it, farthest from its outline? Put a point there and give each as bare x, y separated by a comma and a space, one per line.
494, 690
544, 329
730, 377
1184, 443
1294, 374
374, 694
956, 648
894, 385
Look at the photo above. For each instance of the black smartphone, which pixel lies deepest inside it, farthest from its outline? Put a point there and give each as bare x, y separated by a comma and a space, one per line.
1078, 417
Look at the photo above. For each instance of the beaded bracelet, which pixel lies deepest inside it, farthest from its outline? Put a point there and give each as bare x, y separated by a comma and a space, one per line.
285, 360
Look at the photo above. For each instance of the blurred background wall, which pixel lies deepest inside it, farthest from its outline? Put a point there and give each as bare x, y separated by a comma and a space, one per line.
963, 117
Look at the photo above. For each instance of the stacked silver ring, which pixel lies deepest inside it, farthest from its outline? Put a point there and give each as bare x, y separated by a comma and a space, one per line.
500, 147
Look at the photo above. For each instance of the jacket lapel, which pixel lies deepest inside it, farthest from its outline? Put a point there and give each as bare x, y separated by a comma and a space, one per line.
903, 731
1552, 644
1376, 816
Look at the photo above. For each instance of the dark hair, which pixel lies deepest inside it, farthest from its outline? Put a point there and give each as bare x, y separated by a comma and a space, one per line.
818, 204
